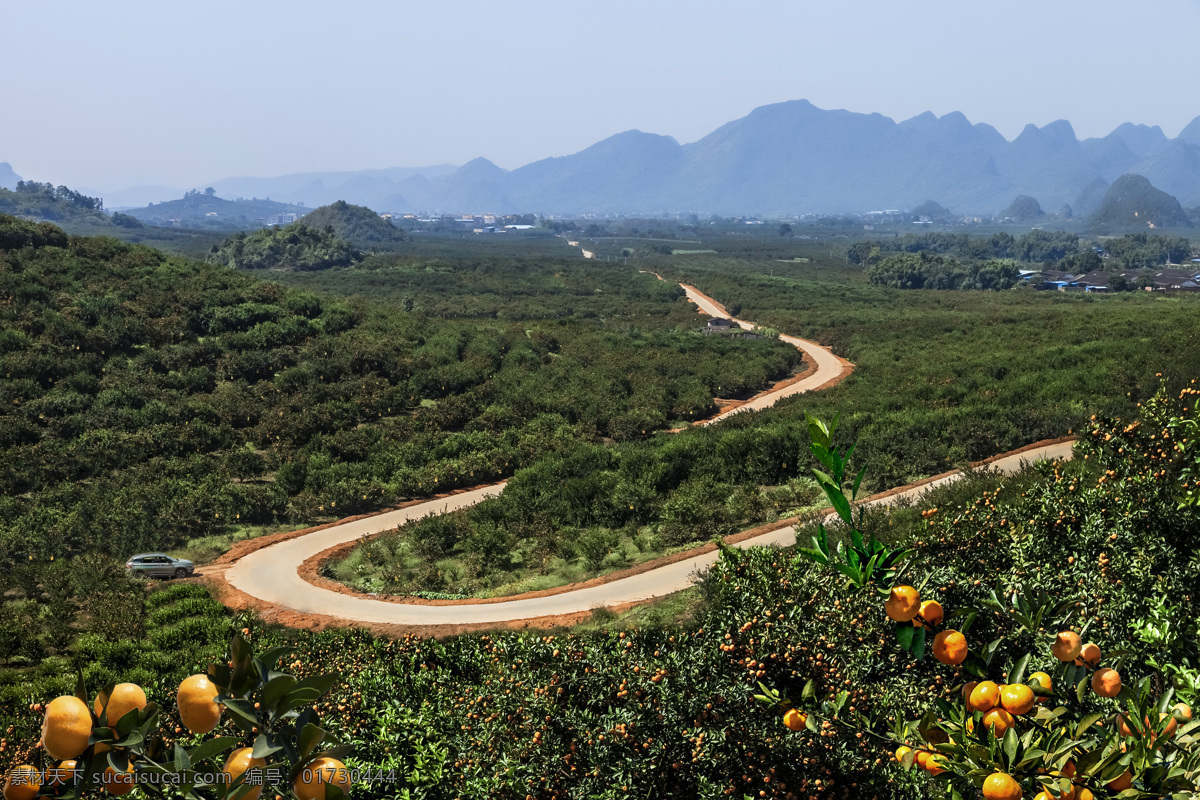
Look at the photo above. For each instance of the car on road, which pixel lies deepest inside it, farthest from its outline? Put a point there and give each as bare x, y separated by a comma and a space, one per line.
159, 565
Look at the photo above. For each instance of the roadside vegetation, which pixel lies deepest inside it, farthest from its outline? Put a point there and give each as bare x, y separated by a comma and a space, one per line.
202, 404
172, 401
669, 711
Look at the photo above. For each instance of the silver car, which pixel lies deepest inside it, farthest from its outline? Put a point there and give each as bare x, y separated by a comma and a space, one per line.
159, 565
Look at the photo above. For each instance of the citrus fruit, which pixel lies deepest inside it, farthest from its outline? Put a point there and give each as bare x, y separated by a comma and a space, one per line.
921, 759
1182, 711
125, 697
117, 783
935, 764
64, 774
1084, 793
901, 752
966, 692
794, 720
1001, 786
198, 708
1089, 654
1041, 684
984, 697
1106, 682
1067, 646
311, 782
903, 604
950, 647
998, 721
931, 611
66, 728
22, 782
1121, 782
1017, 698
236, 765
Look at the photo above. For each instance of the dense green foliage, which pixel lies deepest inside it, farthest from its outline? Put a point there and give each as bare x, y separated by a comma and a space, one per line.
292, 247
1146, 251
925, 271
358, 225
668, 711
45, 201
1034, 246
168, 400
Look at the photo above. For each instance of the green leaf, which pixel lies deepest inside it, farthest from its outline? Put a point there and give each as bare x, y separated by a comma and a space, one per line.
1017, 673
918, 643
1011, 746
263, 747
1087, 722
275, 689
810, 690
857, 481
904, 634
813, 555
310, 737
206, 750
1081, 688
242, 712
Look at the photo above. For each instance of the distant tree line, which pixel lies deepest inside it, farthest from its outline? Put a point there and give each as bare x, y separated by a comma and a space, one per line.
927, 271
1059, 249
60, 194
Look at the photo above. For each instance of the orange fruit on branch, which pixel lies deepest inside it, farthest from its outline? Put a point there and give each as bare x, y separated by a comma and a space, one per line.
236, 765
66, 727
1089, 655
903, 604
966, 692
197, 701
1017, 698
312, 781
931, 612
1106, 682
901, 752
1067, 646
22, 783
984, 696
125, 697
950, 647
1121, 782
118, 783
1041, 684
795, 720
1182, 712
64, 774
998, 721
935, 764
1001, 786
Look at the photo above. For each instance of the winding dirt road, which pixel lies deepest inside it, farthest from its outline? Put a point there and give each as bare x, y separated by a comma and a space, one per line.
277, 579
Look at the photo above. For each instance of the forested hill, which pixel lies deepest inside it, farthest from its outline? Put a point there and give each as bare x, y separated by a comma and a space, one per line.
358, 225
48, 202
204, 210
148, 399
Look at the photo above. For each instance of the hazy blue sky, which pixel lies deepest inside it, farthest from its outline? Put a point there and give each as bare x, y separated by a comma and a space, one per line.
113, 94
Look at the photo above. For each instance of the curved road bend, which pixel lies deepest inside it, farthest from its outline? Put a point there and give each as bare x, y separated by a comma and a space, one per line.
271, 573
828, 365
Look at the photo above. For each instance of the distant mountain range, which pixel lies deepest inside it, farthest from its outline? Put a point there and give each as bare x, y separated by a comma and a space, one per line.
780, 159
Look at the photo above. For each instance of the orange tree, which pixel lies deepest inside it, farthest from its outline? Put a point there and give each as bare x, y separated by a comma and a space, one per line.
1027, 705
113, 743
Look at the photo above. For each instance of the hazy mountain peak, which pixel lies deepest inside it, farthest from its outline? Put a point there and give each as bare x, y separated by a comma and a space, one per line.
8, 178
1191, 133
479, 169
1141, 139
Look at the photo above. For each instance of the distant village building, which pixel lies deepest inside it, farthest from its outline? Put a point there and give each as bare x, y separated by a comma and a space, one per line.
280, 219
719, 326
